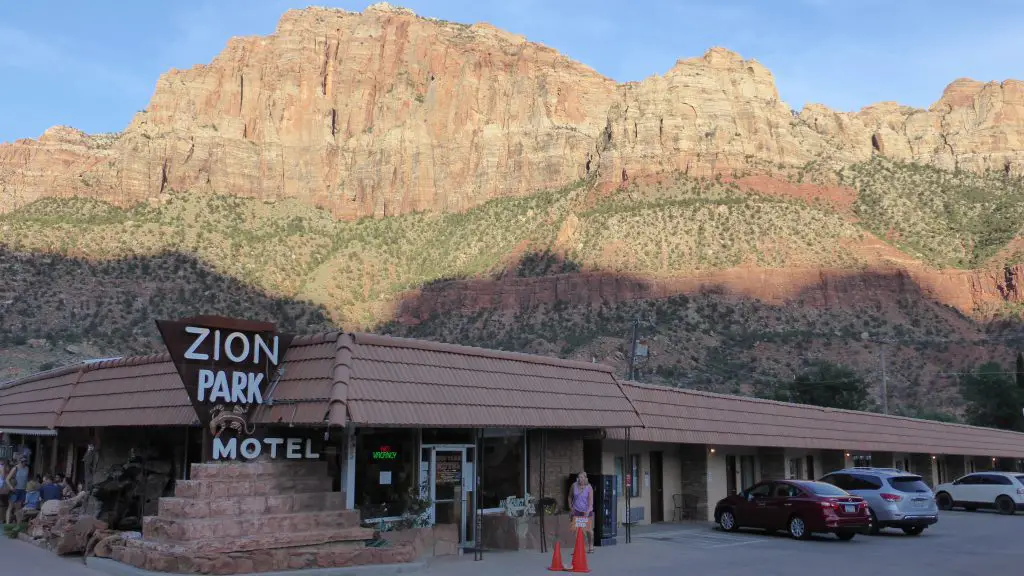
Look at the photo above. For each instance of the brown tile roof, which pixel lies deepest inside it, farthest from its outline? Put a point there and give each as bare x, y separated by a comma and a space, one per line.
690, 416
147, 391
405, 382
304, 390
139, 391
35, 401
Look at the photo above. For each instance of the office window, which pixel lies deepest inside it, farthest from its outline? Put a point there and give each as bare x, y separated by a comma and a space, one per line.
748, 472
794, 468
636, 473
503, 463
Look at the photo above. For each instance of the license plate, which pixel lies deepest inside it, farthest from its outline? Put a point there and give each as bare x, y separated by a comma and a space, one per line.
920, 504
849, 508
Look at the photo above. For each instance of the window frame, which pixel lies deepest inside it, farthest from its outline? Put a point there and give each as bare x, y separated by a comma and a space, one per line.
768, 486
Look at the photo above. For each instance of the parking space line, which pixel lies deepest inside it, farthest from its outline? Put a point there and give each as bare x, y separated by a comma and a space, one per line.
704, 539
740, 543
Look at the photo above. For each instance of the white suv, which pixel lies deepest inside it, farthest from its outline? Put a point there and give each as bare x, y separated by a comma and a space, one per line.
1003, 491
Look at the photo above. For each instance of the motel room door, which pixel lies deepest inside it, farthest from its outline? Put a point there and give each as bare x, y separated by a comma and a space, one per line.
657, 488
449, 472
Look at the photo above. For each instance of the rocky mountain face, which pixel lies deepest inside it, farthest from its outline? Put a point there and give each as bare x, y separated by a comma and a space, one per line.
385, 112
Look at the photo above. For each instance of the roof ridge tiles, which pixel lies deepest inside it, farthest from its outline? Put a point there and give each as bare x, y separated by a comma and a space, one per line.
753, 400
367, 339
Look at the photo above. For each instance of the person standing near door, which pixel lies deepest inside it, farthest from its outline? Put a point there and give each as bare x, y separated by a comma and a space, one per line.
583, 507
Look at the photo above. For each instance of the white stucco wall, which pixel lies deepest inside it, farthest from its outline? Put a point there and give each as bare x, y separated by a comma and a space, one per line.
671, 475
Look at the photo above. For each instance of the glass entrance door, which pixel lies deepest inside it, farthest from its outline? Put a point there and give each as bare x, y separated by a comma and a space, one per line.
450, 475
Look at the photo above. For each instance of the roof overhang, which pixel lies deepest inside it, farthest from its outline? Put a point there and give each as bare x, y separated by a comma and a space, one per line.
29, 431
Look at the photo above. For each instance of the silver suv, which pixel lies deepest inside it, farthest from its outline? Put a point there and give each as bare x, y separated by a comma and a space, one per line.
896, 499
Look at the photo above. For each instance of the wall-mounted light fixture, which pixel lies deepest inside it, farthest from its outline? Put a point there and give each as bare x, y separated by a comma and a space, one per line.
847, 454
933, 457
713, 451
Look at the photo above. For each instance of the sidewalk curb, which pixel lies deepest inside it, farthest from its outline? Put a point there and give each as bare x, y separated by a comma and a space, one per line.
115, 568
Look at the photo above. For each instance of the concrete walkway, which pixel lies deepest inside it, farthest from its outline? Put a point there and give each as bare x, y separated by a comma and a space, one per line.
23, 559
647, 554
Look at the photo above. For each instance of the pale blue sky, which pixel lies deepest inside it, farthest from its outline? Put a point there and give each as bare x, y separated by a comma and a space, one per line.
93, 64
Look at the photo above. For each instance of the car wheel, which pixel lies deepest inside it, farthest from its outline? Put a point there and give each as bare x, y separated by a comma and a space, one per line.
873, 527
944, 501
798, 528
727, 520
1005, 505
913, 530
845, 536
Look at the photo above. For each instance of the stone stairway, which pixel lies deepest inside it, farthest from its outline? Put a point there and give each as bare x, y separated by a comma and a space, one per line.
237, 518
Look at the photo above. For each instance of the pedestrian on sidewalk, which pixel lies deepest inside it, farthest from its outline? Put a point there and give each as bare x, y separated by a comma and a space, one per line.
583, 507
17, 480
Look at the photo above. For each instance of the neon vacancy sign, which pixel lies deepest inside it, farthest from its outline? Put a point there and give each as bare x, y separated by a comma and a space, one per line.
385, 453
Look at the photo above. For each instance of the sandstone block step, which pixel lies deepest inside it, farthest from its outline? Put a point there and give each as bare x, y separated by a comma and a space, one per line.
193, 529
251, 505
210, 488
160, 558
235, 470
231, 544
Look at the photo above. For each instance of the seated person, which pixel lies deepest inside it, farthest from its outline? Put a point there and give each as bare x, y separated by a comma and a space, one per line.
49, 490
67, 491
30, 507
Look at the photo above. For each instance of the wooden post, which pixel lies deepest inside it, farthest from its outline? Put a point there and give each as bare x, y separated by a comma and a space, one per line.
53, 456
207, 446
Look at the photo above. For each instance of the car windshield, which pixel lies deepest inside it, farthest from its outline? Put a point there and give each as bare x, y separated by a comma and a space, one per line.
909, 484
823, 489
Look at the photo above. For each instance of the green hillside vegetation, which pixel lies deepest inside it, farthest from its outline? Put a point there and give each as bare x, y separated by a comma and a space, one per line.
355, 269
947, 219
80, 270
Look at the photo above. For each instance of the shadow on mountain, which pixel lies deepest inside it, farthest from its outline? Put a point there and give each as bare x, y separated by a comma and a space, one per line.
111, 305
734, 331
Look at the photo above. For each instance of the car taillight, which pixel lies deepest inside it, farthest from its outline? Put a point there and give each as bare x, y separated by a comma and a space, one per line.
828, 505
891, 497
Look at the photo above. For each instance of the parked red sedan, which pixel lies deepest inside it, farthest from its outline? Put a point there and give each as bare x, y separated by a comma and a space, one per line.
797, 506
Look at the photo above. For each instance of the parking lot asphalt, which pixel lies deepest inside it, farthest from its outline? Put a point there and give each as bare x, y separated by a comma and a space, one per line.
962, 543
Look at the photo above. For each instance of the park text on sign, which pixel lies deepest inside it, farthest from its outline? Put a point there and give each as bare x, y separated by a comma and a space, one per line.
227, 367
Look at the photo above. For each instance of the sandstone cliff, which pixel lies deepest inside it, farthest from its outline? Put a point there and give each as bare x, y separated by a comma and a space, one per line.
385, 112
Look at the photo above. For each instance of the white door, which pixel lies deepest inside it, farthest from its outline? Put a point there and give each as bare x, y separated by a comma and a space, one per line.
450, 473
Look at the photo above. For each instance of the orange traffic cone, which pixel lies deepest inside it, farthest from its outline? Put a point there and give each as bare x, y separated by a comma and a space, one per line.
556, 559
579, 553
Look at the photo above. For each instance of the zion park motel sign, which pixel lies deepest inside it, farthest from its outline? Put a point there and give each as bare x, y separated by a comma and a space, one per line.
227, 367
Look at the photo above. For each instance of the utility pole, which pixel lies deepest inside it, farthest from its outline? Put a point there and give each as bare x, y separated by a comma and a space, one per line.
632, 349
885, 390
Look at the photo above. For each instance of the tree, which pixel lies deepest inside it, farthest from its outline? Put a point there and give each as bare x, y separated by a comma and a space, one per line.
829, 385
993, 398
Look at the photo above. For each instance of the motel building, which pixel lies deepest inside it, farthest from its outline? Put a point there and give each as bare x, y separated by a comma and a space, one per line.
421, 448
